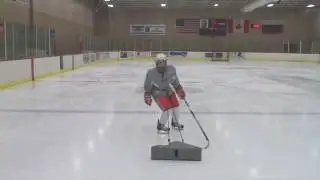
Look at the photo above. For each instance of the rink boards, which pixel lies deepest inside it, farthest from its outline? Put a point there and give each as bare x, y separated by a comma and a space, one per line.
25, 70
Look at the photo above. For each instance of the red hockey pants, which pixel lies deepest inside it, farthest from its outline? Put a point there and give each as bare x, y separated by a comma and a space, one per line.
168, 102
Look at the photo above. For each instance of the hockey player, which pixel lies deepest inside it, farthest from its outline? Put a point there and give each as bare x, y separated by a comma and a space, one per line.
158, 85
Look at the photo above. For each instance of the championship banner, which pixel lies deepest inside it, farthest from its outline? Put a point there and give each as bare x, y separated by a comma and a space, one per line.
147, 29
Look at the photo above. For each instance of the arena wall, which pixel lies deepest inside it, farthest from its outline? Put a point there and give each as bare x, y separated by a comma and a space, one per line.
68, 61
22, 71
311, 58
70, 18
317, 26
316, 33
14, 71
294, 31
48, 64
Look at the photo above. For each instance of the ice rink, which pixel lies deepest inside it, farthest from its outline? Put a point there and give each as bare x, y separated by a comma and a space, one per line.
263, 119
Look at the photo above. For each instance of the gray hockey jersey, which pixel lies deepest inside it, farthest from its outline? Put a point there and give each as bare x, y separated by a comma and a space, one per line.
158, 84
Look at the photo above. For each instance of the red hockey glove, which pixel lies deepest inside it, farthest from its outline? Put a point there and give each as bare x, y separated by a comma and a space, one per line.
181, 93
147, 98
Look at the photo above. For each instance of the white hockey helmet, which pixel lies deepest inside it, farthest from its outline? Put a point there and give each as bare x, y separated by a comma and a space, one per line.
161, 57
161, 62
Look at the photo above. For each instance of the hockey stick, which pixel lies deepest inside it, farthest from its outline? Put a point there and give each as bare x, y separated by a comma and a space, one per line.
182, 139
195, 118
169, 132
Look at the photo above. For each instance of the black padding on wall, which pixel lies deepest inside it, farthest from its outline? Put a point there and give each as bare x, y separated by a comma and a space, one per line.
61, 62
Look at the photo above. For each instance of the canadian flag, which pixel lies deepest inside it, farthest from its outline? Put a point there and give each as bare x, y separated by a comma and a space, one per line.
238, 26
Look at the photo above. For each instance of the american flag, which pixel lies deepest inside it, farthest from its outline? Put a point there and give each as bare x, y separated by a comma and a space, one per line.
187, 25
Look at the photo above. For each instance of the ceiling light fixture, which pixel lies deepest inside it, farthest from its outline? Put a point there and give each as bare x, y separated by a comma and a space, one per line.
163, 5
110, 5
106, 0
216, 5
311, 5
270, 5
257, 4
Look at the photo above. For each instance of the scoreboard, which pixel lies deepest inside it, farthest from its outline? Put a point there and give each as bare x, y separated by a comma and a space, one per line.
214, 27
220, 27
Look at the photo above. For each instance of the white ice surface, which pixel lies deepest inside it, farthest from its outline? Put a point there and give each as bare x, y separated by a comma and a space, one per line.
263, 120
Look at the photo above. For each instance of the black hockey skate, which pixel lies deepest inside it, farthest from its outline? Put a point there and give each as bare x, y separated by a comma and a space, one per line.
177, 125
162, 129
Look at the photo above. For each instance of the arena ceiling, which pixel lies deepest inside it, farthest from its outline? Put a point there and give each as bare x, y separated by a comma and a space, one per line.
203, 3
